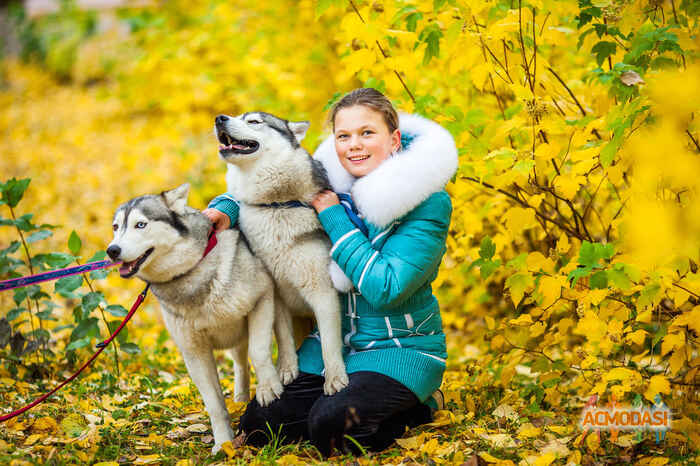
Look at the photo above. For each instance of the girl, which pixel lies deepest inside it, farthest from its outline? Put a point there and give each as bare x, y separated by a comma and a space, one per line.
394, 171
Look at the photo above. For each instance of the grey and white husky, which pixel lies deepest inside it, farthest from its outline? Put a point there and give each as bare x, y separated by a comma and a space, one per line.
222, 300
267, 172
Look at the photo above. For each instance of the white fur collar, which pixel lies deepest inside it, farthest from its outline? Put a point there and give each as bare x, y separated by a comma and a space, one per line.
401, 182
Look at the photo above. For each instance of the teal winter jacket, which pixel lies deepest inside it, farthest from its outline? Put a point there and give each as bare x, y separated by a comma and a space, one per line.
391, 321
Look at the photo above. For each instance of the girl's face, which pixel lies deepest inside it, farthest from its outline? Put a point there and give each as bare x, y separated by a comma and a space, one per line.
363, 140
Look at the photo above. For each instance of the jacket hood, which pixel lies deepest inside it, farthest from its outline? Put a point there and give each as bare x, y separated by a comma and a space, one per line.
402, 181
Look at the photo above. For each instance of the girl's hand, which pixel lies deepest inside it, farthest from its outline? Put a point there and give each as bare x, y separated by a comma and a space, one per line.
220, 220
324, 200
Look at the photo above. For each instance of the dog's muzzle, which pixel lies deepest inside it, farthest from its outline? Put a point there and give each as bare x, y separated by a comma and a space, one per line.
230, 145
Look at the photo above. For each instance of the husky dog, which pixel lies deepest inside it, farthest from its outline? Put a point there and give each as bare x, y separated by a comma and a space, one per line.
274, 179
224, 299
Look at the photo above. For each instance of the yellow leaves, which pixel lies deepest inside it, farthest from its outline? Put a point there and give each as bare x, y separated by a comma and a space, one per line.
529, 431
651, 461
591, 327
568, 185
672, 341
637, 337
505, 411
32, 439
359, 59
518, 219
523, 319
499, 440
45, 425
148, 459
517, 284
413, 443
73, 425
657, 384
690, 318
550, 288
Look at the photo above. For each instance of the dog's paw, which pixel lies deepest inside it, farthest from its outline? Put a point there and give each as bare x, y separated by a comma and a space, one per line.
216, 448
288, 372
242, 397
335, 382
266, 393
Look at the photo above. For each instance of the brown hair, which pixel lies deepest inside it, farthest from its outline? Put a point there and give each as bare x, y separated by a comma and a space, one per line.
371, 98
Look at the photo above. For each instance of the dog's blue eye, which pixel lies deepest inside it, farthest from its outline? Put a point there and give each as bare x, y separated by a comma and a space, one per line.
140, 225
254, 122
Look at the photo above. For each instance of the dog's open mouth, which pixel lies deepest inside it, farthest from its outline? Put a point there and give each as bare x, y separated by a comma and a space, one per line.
229, 144
127, 269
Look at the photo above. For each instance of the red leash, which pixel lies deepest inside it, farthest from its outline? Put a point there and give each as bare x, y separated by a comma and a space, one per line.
103, 344
100, 347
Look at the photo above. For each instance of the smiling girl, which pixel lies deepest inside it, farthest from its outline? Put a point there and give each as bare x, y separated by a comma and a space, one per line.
388, 240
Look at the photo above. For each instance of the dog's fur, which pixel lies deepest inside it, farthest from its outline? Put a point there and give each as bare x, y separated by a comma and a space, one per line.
267, 165
222, 300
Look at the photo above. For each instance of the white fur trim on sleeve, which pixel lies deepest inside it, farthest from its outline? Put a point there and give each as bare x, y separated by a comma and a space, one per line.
340, 281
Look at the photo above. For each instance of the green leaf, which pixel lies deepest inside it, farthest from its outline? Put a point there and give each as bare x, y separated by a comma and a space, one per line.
603, 50
488, 267
46, 315
39, 235
437, 4
66, 285
587, 255
54, 260
91, 300
13, 191
12, 314
116, 310
81, 343
487, 249
24, 223
619, 279
74, 243
98, 256
599, 280
5, 332
86, 328
322, 6
430, 35
113, 325
130, 348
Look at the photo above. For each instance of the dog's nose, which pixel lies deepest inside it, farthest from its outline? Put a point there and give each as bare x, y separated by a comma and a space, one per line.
219, 120
113, 252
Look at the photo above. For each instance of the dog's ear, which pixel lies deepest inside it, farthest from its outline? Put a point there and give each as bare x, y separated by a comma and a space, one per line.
299, 129
176, 199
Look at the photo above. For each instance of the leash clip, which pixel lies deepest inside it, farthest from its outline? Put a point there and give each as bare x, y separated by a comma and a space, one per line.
101, 344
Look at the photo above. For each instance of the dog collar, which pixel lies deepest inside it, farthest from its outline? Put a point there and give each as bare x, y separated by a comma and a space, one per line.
285, 205
210, 245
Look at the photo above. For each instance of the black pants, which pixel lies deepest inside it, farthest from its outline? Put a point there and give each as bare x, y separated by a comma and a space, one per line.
373, 409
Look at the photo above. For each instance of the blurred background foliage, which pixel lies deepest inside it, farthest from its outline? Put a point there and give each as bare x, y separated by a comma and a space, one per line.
572, 263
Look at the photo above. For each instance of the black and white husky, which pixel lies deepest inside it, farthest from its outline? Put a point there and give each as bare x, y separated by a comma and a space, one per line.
271, 176
222, 300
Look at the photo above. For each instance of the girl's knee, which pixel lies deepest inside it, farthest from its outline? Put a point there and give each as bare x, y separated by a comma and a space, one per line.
329, 420
254, 425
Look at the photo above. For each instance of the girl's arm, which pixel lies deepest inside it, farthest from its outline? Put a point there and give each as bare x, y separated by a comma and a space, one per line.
228, 205
386, 278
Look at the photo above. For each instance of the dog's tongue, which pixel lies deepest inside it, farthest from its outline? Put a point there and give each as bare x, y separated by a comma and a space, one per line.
125, 268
